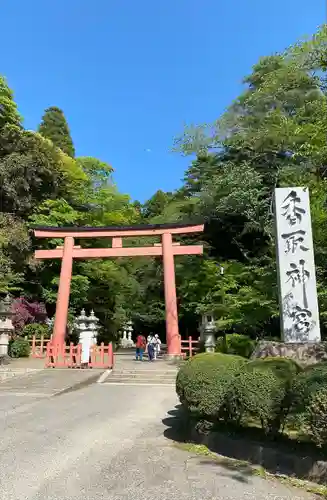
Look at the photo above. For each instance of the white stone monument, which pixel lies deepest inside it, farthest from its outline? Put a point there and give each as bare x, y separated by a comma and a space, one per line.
295, 265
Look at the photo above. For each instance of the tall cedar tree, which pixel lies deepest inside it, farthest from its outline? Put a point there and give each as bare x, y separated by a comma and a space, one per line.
54, 126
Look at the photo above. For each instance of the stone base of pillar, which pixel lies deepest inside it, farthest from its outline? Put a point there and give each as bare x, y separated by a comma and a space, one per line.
173, 358
306, 353
5, 359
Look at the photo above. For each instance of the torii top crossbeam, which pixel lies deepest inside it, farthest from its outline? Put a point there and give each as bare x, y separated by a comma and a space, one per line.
167, 249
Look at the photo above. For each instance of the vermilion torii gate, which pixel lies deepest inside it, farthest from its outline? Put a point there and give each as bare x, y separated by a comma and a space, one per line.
167, 249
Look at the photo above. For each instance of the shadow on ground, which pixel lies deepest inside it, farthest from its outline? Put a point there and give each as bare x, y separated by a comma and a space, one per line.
178, 431
176, 425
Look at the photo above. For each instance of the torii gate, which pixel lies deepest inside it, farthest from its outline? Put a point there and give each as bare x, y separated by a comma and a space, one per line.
167, 249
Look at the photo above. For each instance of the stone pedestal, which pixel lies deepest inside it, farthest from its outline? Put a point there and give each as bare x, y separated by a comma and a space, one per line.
4, 341
305, 353
6, 326
209, 339
208, 332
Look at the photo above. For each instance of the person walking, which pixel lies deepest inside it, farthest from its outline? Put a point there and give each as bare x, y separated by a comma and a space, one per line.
157, 344
150, 343
140, 347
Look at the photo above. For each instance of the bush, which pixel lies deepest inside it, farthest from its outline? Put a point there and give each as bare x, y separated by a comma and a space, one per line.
25, 312
203, 382
316, 417
37, 329
19, 348
259, 394
306, 384
284, 368
240, 345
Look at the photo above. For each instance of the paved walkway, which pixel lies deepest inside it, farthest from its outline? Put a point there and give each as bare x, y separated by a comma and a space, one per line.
27, 377
112, 442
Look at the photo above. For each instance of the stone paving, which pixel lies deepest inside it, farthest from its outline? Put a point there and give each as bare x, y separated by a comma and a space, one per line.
113, 443
110, 442
27, 376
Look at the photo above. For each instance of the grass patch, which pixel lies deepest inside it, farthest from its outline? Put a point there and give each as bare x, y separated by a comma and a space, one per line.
254, 470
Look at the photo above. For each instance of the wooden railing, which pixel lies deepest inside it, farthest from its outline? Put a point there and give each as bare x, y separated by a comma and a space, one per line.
62, 356
38, 346
189, 347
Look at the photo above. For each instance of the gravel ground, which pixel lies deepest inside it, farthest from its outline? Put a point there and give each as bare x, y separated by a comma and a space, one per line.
111, 442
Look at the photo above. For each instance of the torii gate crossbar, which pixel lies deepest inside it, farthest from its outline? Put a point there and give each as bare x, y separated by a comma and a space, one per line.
167, 249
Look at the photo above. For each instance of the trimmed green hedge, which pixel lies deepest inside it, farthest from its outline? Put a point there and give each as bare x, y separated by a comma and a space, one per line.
271, 392
203, 382
306, 384
283, 368
261, 395
316, 417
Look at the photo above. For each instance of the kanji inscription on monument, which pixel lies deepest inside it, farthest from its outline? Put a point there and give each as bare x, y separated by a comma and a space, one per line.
296, 267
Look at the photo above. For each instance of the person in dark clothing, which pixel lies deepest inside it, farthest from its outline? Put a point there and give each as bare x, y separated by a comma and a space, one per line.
140, 347
150, 341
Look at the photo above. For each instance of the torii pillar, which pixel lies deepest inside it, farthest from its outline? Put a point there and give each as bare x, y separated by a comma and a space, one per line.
172, 333
62, 306
167, 249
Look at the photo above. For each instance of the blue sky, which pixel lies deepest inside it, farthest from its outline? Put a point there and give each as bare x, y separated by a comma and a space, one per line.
130, 73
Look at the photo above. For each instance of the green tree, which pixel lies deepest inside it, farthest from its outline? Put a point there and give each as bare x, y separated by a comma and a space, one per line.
54, 126
14, 251
9, 115
98, 172
29, 171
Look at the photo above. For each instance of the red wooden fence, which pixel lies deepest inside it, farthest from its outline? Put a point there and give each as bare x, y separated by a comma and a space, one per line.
189, 347
62, 356
38, 346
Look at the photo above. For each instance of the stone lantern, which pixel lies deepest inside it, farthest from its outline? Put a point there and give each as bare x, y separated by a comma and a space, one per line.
6, 326
87, 328
126, 340
208, 332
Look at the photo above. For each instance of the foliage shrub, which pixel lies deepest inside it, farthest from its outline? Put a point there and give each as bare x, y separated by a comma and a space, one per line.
284, 368
306, 384
260, 395
316, 417
19, 348
203, 382
234, 343
37, 329
25, 312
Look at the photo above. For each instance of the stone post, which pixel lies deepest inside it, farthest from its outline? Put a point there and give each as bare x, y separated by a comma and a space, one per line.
295, 265
6, 326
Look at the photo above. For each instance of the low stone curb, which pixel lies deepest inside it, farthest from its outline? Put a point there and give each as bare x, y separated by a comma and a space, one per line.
271, 458
79, 385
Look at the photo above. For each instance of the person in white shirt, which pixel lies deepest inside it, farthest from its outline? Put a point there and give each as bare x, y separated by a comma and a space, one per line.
157, 344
